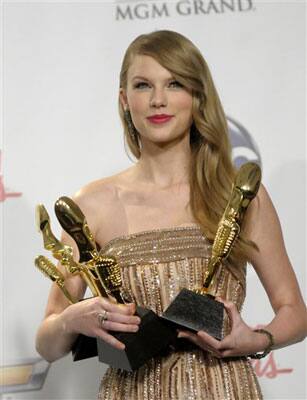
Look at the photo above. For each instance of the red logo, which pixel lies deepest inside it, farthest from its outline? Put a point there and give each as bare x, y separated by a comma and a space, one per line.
3, 193
268, 368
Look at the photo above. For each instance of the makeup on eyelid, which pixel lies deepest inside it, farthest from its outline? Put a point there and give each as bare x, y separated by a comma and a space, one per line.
142, 83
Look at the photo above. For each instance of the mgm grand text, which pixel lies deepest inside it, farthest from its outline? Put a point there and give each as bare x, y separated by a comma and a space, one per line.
130, 10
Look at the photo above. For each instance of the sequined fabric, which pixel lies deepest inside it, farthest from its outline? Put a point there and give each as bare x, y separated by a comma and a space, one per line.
155, 266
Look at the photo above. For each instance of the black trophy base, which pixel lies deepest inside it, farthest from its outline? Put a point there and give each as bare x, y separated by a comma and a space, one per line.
196, 312
153, 337
84, 347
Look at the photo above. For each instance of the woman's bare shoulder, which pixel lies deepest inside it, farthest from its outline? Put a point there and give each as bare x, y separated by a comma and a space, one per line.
101, 190
264, 229
99, 200
260, 211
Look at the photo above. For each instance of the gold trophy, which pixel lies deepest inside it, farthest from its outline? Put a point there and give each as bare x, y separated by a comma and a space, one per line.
52, 272
103, 276
101, 273
197, 310
64, 253
84, 347
153, 337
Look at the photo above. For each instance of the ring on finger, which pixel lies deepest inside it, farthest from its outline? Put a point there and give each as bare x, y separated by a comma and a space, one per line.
102, 317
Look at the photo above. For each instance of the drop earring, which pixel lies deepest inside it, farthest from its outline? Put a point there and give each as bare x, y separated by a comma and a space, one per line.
131, 127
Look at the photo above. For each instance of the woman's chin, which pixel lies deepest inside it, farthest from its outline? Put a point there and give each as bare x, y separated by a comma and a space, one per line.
163, 140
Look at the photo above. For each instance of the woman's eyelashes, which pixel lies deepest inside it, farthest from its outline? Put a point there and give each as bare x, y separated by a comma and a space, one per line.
141, 85
145, 85
175, 84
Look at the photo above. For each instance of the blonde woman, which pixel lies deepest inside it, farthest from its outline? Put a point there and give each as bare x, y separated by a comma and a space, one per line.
158, 218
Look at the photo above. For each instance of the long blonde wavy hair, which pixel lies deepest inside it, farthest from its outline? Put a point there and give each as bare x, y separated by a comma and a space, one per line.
211, 171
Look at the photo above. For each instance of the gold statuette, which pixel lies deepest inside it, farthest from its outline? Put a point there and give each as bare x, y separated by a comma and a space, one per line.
64, 253
244, 189
60, 251
52, 272
104, 270
109, 274
73, 221
101, 274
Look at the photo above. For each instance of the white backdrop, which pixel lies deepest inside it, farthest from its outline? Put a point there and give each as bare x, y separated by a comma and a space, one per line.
61, 129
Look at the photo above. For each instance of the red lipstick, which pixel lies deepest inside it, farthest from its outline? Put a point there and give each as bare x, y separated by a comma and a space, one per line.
159, 118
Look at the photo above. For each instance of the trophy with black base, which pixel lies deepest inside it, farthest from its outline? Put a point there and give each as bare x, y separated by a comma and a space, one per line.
198, 310
103, 276
84, 347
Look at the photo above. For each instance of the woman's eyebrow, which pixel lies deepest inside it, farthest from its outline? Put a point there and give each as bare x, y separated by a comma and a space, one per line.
139, 77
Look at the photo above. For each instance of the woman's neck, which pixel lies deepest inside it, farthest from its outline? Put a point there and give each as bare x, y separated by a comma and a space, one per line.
164, 166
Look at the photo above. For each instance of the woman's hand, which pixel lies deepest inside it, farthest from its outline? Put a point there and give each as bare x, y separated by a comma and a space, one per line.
83, 317
241, 341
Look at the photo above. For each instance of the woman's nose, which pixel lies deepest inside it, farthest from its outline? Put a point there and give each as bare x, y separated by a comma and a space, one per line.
158, 98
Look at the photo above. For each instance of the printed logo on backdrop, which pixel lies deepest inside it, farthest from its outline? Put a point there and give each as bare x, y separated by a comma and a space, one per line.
244, 148
4, 194
128, 10
267, 367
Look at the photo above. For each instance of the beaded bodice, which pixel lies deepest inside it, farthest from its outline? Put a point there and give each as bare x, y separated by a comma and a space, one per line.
155, 266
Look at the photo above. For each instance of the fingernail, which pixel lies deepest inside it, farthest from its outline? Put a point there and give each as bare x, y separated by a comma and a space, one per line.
135, 329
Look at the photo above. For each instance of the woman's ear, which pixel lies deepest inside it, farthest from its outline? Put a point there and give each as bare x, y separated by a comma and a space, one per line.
123, 98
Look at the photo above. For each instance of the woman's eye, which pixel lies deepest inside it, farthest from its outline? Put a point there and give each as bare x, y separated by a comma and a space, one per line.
141, 85
175, 84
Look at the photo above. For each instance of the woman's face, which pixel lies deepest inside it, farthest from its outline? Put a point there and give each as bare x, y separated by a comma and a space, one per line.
160, 107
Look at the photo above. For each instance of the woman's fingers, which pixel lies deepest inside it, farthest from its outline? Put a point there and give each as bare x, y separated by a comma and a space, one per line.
221, 348
190, 336
225, 344
104, 335
125, 319
231, 310
211, 341
118, 327
185, 334
118, 318
93, 317
196, 339
125, 309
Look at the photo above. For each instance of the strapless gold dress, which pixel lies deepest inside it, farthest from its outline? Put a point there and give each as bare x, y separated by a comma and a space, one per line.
155, 266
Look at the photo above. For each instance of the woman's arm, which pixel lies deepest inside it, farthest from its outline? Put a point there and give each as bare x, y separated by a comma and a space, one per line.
52, 339
63, 322
273, 267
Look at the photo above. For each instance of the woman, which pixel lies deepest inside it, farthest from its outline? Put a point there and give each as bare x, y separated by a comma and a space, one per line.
159, 217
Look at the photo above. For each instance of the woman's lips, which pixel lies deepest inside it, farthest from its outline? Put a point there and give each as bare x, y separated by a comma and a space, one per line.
159, 119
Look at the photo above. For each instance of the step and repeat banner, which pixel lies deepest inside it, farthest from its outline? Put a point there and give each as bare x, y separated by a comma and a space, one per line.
61, 129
